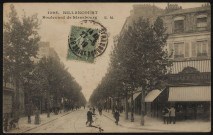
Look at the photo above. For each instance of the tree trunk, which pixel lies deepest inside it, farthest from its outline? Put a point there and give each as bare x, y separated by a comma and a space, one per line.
17, 101
107, 104
113, 106
48, 108
132, 107
41, 105
142, 107
29, 105
29, 109
29, 112
126, 106
29, 119
48, 102
37, 116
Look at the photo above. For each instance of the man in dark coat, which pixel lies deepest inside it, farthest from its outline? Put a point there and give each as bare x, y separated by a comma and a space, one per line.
89, 117
116, 115
165, 115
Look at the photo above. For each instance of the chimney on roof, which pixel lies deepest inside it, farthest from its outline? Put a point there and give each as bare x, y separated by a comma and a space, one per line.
172, 7
206, 5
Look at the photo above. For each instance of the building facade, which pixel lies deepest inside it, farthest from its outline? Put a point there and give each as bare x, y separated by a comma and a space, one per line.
189, 48
189, 45
10, 96
146, 11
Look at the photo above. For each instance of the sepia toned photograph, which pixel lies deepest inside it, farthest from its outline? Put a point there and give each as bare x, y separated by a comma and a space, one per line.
106, 67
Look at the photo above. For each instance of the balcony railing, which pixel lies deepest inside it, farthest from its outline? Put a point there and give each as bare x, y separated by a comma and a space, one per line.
201, 54
179, 56
178, 31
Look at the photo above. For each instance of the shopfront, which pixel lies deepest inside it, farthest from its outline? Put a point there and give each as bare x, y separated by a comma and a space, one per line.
155, 100
8, 97
193, 110
191, 102
190, 89
152, 103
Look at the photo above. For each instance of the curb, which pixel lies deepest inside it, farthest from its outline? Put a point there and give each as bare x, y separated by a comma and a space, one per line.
44, 123
143, 128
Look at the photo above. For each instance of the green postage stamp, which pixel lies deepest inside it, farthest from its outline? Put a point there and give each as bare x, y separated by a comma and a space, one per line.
87, 41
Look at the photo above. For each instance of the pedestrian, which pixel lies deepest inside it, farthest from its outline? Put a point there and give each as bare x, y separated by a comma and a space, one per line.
93, 110
100, 110
165, 115
6, 122
116, 115
121, 109
37, 117
172, 114
89, 117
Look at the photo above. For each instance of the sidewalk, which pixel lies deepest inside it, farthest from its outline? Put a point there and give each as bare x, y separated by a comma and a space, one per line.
24, 126
155, 124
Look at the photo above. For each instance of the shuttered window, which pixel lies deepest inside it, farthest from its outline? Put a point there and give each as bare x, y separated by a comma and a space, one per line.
178, 26
179, 50
201, 48
202, 22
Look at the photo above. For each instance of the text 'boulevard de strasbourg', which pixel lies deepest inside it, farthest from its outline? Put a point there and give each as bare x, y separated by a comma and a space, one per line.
69, 17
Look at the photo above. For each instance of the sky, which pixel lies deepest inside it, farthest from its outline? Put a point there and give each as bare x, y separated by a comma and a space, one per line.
56, 31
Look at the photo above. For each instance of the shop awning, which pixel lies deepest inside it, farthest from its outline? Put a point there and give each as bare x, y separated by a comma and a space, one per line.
192, 93
152, 95
135, 95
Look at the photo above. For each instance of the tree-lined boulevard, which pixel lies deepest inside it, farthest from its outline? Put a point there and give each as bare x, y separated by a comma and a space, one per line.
158, 78
47, 84
133, 67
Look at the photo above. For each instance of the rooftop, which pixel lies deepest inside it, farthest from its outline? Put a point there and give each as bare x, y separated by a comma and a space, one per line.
189, 10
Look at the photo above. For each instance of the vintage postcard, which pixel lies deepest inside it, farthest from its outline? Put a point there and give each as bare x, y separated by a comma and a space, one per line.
106, 67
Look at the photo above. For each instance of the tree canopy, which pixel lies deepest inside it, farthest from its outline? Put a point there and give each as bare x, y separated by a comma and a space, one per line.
48, 77
20, 44
139, 59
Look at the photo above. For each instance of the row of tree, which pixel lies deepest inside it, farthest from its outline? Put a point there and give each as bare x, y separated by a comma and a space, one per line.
45, 81
139, 60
